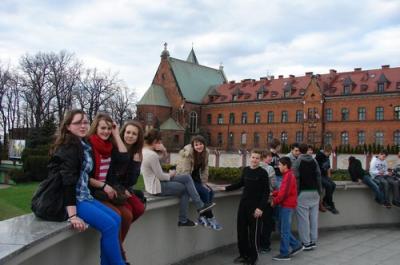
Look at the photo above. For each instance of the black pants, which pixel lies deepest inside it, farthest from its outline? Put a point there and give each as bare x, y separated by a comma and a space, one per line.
248, 231
266, 228
329, 187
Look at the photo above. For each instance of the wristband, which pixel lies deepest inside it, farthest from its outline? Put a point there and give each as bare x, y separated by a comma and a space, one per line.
72, 216
102, 188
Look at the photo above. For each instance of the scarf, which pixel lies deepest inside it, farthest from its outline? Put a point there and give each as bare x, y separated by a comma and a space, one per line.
101, 149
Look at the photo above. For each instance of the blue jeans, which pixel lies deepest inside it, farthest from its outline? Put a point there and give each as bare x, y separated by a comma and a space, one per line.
374, 187
183, 187
206, 195
287, 239
107, 222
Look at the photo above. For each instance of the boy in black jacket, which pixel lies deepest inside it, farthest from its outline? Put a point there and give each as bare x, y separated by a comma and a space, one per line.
253, 202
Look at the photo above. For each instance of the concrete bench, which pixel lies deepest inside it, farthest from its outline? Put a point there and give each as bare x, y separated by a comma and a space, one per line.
155, 238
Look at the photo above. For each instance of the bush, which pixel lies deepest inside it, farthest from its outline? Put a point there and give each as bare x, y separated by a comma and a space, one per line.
35, 167
224, 174
18, 175
340, 174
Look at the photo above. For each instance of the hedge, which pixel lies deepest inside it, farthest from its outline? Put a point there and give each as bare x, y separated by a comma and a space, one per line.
35, 167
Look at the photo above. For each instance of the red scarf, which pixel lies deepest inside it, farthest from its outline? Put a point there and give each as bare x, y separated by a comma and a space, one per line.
101, 149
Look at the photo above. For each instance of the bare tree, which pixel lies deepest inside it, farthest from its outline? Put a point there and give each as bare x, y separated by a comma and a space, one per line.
36, 91
95, 90
5, 82
122, 104
64, 75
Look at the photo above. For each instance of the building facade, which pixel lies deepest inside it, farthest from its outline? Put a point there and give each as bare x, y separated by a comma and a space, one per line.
354, 108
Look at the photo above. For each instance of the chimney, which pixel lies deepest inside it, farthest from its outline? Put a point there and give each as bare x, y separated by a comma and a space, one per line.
291, 76
385, 66
272, 77
263, 78
332, 71
309, 73
232, 82
280, 76
357, 69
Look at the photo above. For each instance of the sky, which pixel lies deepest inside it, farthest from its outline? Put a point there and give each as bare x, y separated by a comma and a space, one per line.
250, 38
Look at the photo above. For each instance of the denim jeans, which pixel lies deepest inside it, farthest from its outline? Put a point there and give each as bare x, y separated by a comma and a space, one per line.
329, 187
183, 187
206, 195
287, 239
373, 185
107, 222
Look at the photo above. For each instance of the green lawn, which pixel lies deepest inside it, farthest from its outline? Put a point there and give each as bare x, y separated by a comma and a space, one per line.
16, 200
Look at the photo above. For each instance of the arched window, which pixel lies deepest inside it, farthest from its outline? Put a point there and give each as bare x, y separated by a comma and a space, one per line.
270, 136
379, 137
344, 137
193, 122
284, 137
328, 138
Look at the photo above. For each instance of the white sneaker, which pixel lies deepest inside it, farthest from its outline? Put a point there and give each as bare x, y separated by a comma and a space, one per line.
214, 224
203, 221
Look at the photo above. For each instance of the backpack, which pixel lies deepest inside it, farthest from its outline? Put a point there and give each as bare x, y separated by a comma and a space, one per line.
308, 173
48, 200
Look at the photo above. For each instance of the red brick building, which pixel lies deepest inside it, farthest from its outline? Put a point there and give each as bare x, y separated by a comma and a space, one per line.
348, 108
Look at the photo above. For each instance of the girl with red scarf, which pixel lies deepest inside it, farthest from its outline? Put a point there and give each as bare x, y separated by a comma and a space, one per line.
110, 158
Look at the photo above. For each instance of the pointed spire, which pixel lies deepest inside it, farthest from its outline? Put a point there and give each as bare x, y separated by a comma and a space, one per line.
192, 57
165, 52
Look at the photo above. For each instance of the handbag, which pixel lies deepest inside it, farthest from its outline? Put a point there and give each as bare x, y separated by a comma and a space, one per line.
119, 199
48, 201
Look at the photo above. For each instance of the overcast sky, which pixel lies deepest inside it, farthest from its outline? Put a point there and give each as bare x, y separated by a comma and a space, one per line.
251, 38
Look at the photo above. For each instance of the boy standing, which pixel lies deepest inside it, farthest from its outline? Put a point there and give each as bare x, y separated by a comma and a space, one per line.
286, 197
267, 218
252, 204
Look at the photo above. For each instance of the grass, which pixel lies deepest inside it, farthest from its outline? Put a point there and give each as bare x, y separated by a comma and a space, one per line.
16, 200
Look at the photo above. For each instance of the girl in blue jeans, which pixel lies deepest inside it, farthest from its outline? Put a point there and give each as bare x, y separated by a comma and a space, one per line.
193, 161
71, 158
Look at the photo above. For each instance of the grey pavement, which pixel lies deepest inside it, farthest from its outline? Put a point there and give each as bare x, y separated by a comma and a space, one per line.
372, 246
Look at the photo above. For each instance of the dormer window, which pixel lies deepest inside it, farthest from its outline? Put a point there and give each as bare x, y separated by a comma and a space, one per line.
347, 90
286, 94
381, 87
382, 83
234, 97
398, 85
260, 95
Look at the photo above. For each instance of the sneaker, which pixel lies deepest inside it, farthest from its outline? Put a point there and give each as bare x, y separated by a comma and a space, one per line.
332, 209
307, 247
313, 245
387, 205
203, 221
296, 250
396, 203
281, 257
188, 223
265, 250
206, 207
212, 222
240, 259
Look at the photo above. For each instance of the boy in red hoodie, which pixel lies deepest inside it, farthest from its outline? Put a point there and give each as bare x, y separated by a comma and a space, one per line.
286, 197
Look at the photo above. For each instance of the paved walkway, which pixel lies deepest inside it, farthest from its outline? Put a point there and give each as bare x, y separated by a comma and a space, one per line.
378, 246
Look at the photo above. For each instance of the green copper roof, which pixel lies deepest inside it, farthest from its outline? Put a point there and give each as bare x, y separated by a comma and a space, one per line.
192, 57
171, 124
155, 95
195, 80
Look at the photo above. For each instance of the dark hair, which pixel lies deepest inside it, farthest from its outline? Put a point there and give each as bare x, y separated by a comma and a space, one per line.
303, 148
309, 146
151, 136
137, 147
285, 161
257, 151
328, 148
102, 116
63, 135
274, 143
199, 159
265, 153
295, 145
384, 152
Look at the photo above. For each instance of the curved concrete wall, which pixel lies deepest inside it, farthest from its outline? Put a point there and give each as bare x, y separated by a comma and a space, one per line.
155, 238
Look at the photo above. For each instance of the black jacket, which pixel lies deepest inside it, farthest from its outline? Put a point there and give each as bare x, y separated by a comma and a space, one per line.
67, 162
355, 169
323, 162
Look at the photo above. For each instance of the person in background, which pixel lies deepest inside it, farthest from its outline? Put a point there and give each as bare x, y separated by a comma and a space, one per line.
358, 174
267, 217
308, 176
294, 152
379, 171
158, 183
310, 149
328, 184
252, 205
286, 197
275, 147
193, 160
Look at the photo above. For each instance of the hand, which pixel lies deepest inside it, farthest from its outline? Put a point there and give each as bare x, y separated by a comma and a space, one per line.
272, 203
111, 193
220, 188
115, 129
127, 193
160, 147
359, 181
78, 224
172, 173
258, 213
136, 157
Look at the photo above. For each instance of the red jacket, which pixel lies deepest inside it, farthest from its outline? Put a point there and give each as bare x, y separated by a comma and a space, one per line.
286, 196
